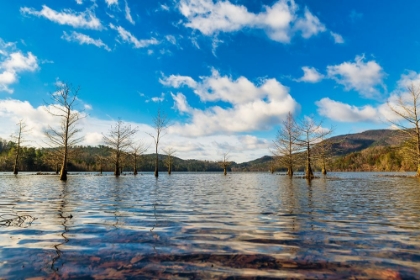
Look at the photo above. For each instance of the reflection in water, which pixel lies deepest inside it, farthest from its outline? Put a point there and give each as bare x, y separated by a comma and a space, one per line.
348, 225
61, 211
15, 220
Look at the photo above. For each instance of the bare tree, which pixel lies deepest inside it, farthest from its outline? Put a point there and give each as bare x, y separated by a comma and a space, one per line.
225, 163
66, 136
160, 124
286, 144
406, 107
169, 158
119, 139
312, 133
18, 139
137, 150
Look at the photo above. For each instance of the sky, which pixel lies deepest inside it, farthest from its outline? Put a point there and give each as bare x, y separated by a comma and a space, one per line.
226, 73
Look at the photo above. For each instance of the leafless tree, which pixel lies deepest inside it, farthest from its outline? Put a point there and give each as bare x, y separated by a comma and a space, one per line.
169, 152
160, 124
100, 159
225, 163
119, 139
18, 139
286, 144
323, 153
406, 107
137, 150
66, 136
311, 134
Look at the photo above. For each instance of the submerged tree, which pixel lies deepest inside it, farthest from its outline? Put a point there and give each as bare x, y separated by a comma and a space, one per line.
119, 139
225, 163
169, 152
286, 144
312, 133
407, 107
18, 139
160, 124
66, 136
137, 150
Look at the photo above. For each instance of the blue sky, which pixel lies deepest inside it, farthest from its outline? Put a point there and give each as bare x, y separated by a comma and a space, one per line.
225, 72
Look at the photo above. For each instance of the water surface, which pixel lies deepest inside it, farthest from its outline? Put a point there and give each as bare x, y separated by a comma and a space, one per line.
207, 225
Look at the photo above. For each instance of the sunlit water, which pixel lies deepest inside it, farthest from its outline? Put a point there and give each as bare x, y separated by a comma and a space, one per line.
209, 226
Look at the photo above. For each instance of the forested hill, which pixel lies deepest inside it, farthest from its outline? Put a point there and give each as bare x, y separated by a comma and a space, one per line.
372, 150
349, 143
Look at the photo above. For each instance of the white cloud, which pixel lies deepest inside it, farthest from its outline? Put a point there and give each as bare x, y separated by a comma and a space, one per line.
338, 39
171, 39
111, 2
66, 17
310, 75
361, 76
128, 13
158, 98
342, 112
280, 22
129, 38
84, 39
181, 103
243, 148
80, 2
252, 107
13, 62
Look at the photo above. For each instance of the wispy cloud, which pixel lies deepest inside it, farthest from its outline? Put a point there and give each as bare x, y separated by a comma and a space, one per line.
128, 13
338, 39
83, 39
129, 38
66, 17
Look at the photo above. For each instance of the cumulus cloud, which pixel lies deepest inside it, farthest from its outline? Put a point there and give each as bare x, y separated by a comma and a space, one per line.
13, 62
342, 112
66, 17
359, 75
84, 39
244, 147
129, 38
252, 107
280, 22
80, 2
128, 13
310, 75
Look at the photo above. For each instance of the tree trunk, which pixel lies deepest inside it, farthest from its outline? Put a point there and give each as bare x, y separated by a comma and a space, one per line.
63, 172
157, 164
418, 170
271, 169
135, 165
169, 169
224, 171
290, 171
100, 168
117, 169
57, 169
308, 174
324, 169
15, 168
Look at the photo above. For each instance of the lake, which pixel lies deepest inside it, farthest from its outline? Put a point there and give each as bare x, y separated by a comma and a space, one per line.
206, 225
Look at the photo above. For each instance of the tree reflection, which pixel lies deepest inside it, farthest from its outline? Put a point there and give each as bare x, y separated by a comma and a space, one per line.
64, 218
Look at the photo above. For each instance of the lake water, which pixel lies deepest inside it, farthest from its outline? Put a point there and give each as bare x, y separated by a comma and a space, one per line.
208, 225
